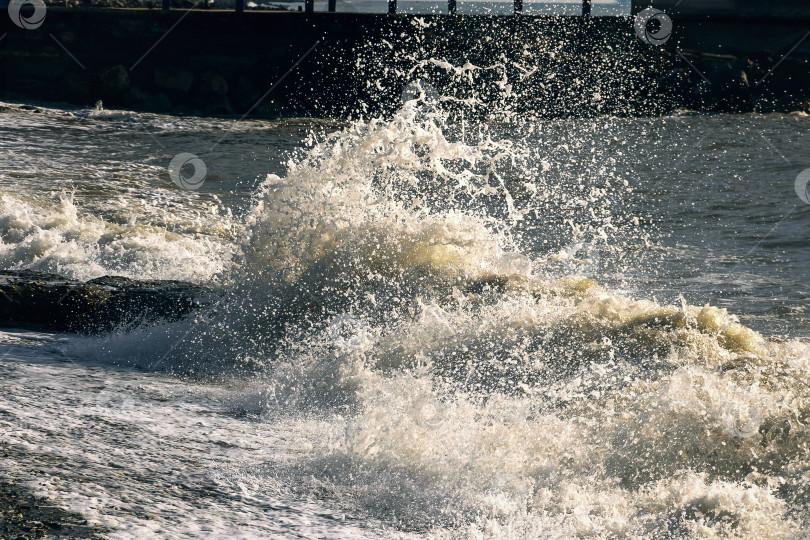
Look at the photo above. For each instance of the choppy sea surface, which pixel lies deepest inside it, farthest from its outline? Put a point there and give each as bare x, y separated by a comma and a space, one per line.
421, 325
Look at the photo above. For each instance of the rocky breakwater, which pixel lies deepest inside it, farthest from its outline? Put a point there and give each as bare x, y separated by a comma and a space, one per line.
733, 83
201, 62
207, 62
51, 302
718, 63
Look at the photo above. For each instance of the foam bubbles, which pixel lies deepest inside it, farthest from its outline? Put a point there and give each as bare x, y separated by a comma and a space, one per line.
485, 395
56, 236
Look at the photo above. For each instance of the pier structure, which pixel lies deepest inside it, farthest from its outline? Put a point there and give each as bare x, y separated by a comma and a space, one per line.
782, 10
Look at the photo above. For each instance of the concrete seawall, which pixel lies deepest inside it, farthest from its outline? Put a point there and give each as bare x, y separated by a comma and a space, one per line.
285, 63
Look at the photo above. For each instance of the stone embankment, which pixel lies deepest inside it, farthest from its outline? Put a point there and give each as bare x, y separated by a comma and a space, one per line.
209, 62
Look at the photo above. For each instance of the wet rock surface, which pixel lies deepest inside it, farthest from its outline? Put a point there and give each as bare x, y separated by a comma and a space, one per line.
51, 302
26, 516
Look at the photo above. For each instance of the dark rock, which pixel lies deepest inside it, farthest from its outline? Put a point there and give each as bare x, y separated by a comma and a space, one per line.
709, 62
245, 93
159, 103
115, 79
702, 95
675, 82
731, 79
791, 77
268, 107
135, 95
213, 83
183, 110
174, 79
220, 105
52, 302
75, 87
732, 90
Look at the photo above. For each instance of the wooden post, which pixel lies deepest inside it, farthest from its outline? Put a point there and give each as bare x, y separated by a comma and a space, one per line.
332, 6
392, 6
165, 5
518, 6
586, 8
309, 6
451, 7
240, 6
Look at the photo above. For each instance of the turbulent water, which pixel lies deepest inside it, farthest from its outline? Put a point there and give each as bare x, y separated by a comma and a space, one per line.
421, 325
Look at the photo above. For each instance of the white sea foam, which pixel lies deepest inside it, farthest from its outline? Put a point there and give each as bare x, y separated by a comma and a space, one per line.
408, 360
495, 400
56, 235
